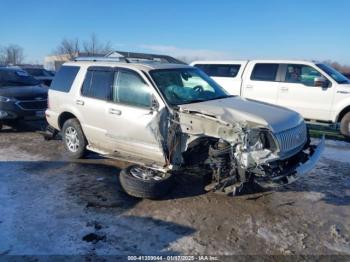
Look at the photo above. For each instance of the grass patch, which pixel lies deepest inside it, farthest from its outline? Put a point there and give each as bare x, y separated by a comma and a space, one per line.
330, 133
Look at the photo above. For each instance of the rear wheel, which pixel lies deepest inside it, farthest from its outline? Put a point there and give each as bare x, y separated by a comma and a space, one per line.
1, 125
345, 125
74, 139
143, 182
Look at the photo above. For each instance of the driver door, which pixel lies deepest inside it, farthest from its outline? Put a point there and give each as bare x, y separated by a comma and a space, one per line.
132, 124
298, 91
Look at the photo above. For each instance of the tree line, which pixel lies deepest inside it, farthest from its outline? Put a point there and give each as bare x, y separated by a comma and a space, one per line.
13, 54
92, 46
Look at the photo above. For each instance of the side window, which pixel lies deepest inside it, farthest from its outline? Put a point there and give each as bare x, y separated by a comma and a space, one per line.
97, 84
64, 78
129, 88
264, 72
302, 74
219, 70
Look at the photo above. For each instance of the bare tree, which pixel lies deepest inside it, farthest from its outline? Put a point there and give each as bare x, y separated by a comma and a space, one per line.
11, 54
69, 47
93, 46
341, 68
2, 56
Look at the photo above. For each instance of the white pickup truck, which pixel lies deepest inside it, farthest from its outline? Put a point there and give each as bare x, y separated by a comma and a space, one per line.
315, 90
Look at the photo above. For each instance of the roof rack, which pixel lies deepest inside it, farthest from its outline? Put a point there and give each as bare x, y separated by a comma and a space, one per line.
98, 58
132, 57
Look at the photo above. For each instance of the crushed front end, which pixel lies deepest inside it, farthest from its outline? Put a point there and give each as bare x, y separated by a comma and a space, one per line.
242, 155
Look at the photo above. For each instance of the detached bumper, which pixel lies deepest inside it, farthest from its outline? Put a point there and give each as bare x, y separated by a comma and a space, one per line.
297, 171
311, 163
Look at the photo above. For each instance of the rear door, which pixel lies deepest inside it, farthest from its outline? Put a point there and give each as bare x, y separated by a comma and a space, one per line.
261, 82
298, 91
226, 74
96, 92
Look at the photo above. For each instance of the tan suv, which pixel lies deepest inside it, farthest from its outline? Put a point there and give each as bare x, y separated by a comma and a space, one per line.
165, 117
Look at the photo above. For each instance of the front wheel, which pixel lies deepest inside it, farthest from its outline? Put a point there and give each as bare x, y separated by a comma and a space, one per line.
74, 139
345, 125
143, 182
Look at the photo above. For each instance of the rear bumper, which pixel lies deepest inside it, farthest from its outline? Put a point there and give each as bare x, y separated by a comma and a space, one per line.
298, 171
52, 118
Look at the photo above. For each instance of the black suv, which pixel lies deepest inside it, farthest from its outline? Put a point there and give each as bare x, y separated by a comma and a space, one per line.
21, 96
41, 74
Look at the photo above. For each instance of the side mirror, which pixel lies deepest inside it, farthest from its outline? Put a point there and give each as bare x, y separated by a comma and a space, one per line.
321, 81
154, 104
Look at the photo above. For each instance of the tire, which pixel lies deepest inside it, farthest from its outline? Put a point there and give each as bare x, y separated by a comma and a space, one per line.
13, 123
145, 188
1, 125
73, 138
345, 126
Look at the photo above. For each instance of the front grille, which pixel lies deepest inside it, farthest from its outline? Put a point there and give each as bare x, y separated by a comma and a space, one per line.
33, 105
292, 139
31, 98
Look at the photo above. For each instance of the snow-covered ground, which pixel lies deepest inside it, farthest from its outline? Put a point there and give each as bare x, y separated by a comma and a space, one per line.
337, 151
52, 206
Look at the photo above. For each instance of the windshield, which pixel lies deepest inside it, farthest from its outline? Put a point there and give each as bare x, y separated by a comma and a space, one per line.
10, 77
38, 72
186, 85
337, 76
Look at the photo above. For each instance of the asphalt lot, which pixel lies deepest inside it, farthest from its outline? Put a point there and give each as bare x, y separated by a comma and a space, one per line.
52, 206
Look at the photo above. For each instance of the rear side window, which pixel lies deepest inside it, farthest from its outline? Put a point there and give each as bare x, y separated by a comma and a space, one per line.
97, 84
264, 72
219, 70
64, 78
129, 88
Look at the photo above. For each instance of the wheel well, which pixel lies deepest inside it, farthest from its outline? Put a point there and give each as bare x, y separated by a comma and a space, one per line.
197, 150
343, 113
63, 118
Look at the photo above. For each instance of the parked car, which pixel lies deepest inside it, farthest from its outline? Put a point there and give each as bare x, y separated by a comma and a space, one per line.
41, 74
166, 118
316, 91
21, 96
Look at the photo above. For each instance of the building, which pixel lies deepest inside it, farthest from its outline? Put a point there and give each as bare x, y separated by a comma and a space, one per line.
54, 62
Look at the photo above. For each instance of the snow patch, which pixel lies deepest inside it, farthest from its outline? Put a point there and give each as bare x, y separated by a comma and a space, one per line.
13, 153
314, 196
336, 150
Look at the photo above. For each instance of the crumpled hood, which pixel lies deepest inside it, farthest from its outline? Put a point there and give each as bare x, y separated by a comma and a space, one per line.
237, 109
23, 91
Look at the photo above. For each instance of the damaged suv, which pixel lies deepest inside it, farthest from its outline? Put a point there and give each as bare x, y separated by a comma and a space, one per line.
166, 118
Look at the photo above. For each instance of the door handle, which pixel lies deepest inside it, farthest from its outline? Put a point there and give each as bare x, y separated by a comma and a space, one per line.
249, 86
115, 111
79, 102
284, 88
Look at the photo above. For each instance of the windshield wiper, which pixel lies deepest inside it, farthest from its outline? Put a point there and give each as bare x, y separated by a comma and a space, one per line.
220, 97
195, 101
206, 99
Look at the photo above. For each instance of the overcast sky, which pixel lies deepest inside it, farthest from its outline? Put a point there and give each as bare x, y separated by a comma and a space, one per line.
220, 29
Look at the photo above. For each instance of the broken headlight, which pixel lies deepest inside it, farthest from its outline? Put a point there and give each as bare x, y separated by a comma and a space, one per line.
259, 139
